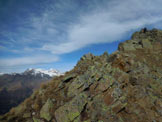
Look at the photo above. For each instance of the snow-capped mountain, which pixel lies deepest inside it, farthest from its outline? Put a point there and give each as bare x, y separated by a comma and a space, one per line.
51, 72
37, 72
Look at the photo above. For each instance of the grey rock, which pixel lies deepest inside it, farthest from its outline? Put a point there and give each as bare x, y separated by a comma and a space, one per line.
45, 110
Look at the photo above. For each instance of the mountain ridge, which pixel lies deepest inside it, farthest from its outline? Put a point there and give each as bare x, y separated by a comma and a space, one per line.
122, 87
34, 71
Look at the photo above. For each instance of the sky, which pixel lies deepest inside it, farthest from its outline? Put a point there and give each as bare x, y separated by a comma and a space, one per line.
56, 33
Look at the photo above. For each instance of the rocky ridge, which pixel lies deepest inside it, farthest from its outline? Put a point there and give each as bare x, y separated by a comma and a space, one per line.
125, 86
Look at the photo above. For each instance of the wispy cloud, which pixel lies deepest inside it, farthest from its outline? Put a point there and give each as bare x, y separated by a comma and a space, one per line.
28, 60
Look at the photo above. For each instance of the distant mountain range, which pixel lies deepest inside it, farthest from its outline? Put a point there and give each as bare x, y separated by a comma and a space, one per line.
15, 87
51, 72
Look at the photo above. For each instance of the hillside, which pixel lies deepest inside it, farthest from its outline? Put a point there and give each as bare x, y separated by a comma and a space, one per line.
16, 87
125, 86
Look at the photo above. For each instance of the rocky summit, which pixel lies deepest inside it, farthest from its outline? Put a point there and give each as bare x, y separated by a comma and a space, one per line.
125, 86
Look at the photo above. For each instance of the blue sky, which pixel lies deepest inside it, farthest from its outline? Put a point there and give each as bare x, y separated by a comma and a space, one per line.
56, 33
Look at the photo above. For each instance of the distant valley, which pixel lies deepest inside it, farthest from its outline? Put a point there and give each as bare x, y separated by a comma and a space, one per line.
15, 87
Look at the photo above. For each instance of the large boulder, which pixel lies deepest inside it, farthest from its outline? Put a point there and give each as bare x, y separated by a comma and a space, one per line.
71, 110
45, 110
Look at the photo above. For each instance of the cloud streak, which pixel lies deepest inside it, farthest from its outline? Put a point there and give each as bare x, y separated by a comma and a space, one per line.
28, 60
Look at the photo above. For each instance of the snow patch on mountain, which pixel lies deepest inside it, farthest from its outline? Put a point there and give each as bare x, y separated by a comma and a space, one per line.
51, 72
31, 71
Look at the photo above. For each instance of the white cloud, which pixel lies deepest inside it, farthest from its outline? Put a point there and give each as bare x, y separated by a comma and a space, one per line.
29, 60
108, 24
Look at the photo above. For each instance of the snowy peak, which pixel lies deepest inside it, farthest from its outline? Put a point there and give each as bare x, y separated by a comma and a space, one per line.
51, 72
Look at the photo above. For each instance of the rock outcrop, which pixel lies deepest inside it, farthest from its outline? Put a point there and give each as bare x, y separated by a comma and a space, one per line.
125, 86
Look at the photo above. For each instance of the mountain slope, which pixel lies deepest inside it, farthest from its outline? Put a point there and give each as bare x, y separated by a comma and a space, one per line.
15, 87
125, 86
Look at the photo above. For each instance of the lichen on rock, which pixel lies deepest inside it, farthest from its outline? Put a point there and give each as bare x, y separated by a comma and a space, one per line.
45, 110
71, 110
